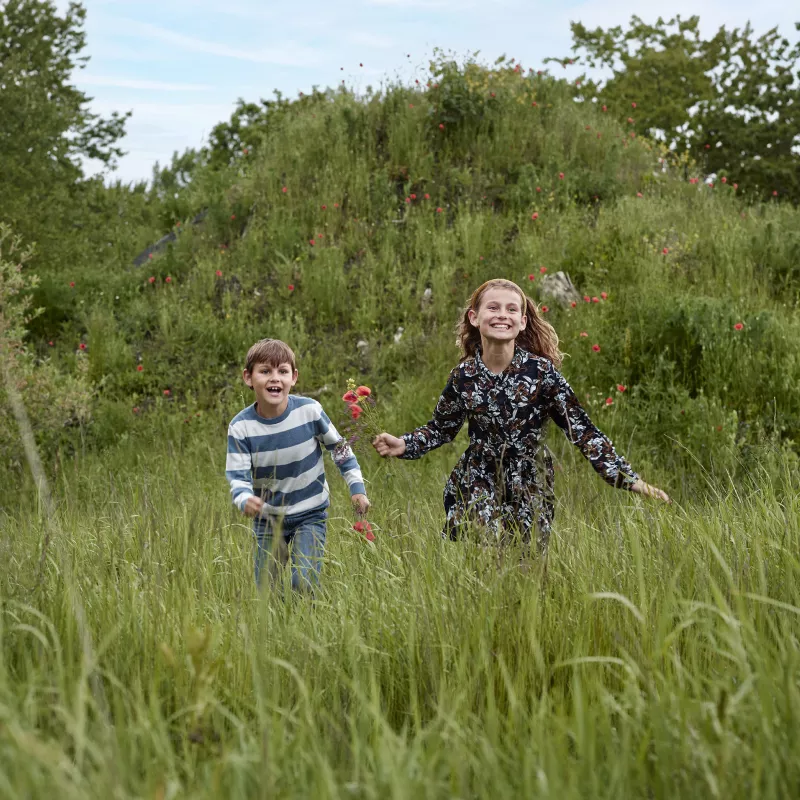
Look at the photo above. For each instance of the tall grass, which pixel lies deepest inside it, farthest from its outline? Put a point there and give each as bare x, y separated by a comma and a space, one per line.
657, 656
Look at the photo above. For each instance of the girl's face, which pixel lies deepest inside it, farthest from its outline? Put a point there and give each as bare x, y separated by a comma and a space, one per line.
500, 316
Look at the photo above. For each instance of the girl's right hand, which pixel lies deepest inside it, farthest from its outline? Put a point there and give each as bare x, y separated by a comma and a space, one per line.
388, 445
253, 506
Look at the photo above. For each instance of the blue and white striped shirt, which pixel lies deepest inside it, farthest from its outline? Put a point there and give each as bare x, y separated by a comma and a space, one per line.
280, 459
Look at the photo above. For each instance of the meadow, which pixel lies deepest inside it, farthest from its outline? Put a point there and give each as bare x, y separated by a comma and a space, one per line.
657, 656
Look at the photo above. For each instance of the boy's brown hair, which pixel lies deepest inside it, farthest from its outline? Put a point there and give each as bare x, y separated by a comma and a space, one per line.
271, 352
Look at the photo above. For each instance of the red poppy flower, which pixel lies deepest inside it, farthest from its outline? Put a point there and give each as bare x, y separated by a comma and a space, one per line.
81, 346
775, 193
587, 299
535, 215
621, 388
167, 392
545, 309
708, 147
639, 194
311, 242
595, 299
151, 279
284, 189
290, 287
350, 397
665, 250
724, 179
531, 277
599, 135
168, 279
538, 188
50, 344
363, 391
139, 368
596, 348
336, 205
633, 105
150, 256
609, 401
355, 410
605, 108
561, 176
413, 197
439, 210
136, 409
411, 105
365, 528
323, 207
735, 185
441, 126
219, 273
630, 120
408, 199
573, 304
583, 334
426, 196
72, 284
738, 326
233, 216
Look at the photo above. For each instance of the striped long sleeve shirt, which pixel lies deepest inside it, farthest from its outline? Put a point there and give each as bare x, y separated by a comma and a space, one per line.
280, 460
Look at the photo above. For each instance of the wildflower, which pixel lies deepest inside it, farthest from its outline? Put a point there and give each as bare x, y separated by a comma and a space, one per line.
168, 279
545, 309
365, 528
336, 205
350, 396
363, 391
290, 287
633, 105
621, 388
219, 273
710, 185
609, 401
596, 348
413, 197
323, 207
139, 368
408, 199
493, 94
587, 299
50, 344
604, 295
573, 304
426, 196
311, 242
72, 284
561, 176
82, 346
411, 105
724, 179
535, 215
595, 299
167, 392
136, 409
531, 277
639, 194
534, 104
735, 185
538, 188
708, 146
605, 108
775, 193
439, 210
150, 256
630, 120
233, 216
284, 189
693, 180
151, 279
719, 427
599, 135
355, 410
583, 334
441, 126
543, 270
665, 250
738, 326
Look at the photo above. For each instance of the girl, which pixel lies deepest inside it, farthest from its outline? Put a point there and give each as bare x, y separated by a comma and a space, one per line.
506, 387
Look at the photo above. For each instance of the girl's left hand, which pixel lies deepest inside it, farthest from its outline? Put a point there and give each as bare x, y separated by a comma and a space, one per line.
640, 487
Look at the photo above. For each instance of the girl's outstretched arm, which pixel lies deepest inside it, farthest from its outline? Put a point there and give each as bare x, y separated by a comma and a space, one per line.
566, 411
448, 417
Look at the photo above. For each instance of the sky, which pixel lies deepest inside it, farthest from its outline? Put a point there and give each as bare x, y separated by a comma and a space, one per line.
181, 65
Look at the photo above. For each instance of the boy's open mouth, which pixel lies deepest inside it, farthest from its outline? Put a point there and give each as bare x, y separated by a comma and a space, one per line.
274, 390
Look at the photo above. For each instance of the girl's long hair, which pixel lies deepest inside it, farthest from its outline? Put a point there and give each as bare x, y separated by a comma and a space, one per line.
538, 337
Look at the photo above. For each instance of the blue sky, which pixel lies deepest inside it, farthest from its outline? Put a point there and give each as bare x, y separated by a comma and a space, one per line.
180, 65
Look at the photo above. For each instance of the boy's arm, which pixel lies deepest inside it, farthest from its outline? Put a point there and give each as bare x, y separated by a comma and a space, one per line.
238, 469
342, 454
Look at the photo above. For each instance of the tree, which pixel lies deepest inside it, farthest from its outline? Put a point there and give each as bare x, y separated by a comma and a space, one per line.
45, 124
731, 101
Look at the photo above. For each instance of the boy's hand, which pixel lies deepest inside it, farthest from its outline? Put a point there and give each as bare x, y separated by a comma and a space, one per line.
253, 506
640, 487
388, 445
361, 504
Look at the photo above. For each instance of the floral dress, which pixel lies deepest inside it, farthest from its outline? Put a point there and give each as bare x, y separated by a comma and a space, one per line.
504, 480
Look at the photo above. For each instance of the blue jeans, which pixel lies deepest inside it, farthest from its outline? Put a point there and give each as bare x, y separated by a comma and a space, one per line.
304, 537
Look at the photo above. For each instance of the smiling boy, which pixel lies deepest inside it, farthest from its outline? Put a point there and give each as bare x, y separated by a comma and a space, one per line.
275, 467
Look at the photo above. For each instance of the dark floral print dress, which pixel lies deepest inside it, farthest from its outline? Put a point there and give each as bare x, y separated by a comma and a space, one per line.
504, 480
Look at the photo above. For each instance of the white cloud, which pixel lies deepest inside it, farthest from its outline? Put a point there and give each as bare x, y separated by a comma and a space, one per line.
289, 55
135, 83
367, 39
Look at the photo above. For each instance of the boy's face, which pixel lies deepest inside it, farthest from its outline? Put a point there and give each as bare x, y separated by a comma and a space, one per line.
271, 385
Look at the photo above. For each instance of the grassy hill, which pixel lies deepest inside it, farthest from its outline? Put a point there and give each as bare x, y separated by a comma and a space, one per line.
659, 656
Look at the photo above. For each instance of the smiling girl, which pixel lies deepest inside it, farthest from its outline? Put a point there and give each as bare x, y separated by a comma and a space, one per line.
507, 387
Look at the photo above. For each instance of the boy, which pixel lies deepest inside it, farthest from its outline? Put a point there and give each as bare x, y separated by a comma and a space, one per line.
275, 466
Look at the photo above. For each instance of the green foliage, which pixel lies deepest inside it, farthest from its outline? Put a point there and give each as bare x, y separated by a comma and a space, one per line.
732, 101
